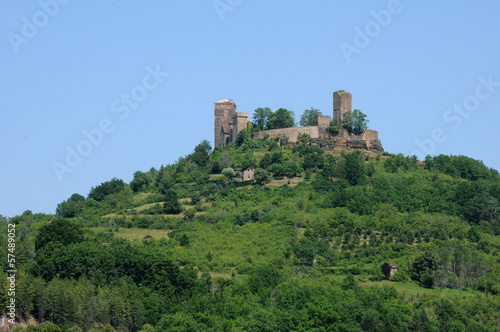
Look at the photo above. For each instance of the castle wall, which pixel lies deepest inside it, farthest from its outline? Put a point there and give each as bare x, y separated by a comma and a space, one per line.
370, 135
291, 133
323, 124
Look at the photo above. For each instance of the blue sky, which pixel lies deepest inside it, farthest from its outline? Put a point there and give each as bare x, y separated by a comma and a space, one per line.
425, 74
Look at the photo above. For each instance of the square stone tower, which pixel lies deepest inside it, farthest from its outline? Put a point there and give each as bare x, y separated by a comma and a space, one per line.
240, 122
224, 111
342, 102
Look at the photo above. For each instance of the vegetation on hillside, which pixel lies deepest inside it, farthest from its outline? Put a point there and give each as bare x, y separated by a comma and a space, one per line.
307, 246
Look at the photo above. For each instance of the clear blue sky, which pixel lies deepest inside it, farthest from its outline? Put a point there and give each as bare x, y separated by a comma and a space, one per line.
66, 68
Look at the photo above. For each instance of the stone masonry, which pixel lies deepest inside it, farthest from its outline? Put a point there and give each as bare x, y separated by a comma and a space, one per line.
225, 110
228, 123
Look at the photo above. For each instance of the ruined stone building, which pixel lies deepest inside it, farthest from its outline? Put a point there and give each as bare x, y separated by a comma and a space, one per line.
228, 123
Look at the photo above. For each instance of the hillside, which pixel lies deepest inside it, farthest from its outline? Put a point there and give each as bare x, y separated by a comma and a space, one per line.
318, 241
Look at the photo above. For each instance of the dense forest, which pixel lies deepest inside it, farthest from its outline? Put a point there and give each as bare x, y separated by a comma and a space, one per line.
318, 241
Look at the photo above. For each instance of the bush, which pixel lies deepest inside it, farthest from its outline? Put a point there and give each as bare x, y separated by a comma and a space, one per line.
228, 173
400, 276
333, 130
427, 280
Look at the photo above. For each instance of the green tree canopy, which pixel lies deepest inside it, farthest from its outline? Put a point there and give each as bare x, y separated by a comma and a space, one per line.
172, 205
261, 116
355, 168
261, 176
359, 122
71, 207
282, 118
201, 154
423, 265
355, 122
228, 173
140, 180
59, 230
106, 188
310, 117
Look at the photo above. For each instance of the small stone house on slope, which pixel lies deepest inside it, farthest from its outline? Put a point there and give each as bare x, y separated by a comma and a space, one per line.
248, 174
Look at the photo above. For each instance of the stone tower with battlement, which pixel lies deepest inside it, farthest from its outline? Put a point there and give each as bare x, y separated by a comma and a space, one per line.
240, 122
342, 103
228, 123
224, 111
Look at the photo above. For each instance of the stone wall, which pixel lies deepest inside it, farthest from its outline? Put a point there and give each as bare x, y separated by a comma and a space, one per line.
291, 133
370, 135
366, 141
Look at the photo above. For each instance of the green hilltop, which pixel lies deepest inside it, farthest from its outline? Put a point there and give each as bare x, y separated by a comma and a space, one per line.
316, 241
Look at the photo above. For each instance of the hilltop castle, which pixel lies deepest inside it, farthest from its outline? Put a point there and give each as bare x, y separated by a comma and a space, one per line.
228, 123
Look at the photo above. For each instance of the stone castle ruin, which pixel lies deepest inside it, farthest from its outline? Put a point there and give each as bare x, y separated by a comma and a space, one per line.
228, 123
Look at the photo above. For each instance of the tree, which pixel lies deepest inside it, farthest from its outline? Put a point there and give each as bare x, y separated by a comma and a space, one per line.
304, 250
355, 168
172, 205
228, 173
140, 180
264, 278
490, 212
473, 234
226, 160
282, 118
50, 327
261, 176
386, 270
419, 321
184, 240
201, 154
355, 122
261, 117
189, 214
249, 161
147, 328
423, 266
242, 137
291, 169
72, 207
59, 230
310, 117
76, 198
359, 122
347, 121
106, 188
349, 283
